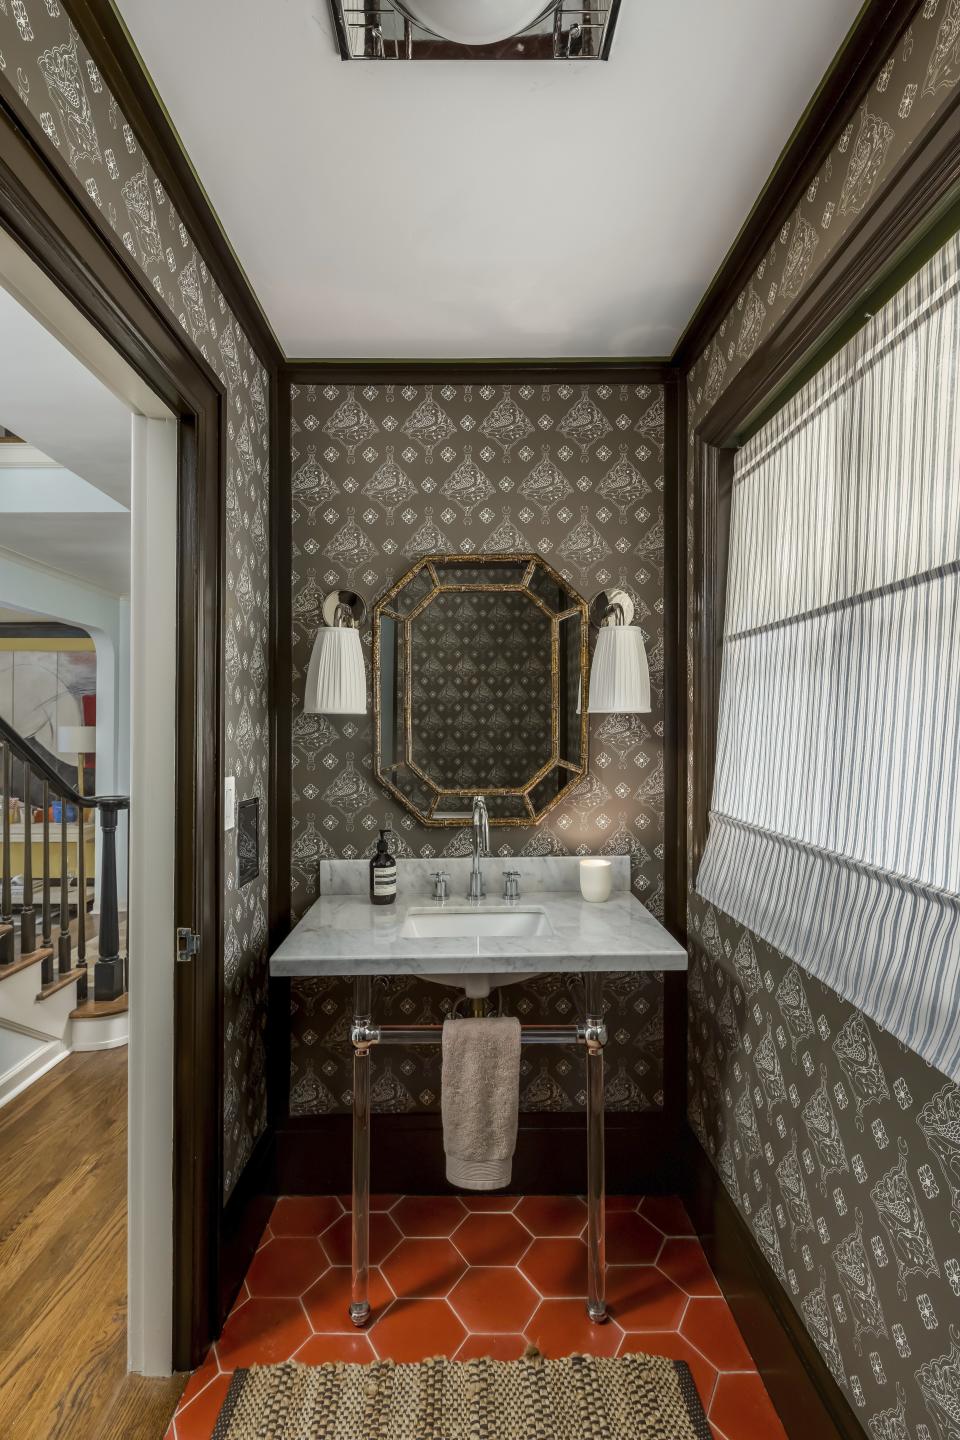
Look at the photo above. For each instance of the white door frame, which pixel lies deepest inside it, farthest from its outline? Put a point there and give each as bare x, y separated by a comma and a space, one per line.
153, 710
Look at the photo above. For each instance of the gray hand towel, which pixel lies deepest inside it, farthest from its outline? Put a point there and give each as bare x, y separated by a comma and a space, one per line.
480, 1101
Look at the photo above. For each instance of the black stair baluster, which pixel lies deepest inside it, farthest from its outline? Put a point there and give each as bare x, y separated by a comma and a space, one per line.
65, 941
28, 914
108, 970
6, 883
46, 964
81, 907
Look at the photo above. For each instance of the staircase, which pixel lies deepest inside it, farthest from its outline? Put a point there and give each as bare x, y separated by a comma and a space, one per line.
47, 953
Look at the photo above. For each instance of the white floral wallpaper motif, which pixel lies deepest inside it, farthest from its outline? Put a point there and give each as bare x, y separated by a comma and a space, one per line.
839, 1146
382, 474
46, 71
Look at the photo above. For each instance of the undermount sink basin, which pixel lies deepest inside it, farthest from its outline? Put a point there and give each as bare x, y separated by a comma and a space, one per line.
452, 922
468, 922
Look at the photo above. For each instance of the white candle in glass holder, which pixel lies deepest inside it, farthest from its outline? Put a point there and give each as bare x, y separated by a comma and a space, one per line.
596, 879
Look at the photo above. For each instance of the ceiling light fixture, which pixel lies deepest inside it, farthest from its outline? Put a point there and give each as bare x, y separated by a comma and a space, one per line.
530, 30
475, 22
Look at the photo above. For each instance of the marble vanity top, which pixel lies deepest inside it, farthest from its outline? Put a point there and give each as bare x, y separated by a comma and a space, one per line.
343, 934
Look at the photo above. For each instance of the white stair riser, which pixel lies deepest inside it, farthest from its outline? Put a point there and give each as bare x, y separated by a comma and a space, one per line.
19, 1004
106, 1032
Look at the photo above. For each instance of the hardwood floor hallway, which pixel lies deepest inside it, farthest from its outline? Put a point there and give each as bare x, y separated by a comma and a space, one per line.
63, 1262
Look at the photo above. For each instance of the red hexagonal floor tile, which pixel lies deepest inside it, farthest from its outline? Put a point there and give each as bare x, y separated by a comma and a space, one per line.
352, 1349
686, 1265
429, 1215
563, 1327
425, 1268
378, 1203
631, 1240
674, 1347
286, 1267
490, 1202
491, 1300
304, 1214
416, 1330
742, 1408
327, 1302
338, 1240
668, 1214
556, 1266
197, 1420
552, 1214
622, 1202
492, 1347
491, 1239
709, 1325
642, 1298
262, 1332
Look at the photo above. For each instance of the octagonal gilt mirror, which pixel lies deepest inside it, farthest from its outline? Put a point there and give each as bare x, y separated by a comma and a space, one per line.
479, 662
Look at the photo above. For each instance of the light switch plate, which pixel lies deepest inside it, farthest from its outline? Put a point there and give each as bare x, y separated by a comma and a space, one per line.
229, 802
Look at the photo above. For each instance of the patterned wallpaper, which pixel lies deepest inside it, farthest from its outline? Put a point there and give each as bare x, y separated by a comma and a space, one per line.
46, 70
840, 1147
383, 474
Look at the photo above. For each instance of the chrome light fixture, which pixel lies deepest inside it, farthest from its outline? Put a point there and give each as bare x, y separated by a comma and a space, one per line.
337, 678
529, 30
475, 22
619, 674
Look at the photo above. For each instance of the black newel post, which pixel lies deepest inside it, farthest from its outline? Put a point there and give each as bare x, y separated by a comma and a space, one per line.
108, 970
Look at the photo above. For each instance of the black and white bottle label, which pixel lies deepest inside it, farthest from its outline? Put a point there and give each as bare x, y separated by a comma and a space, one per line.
385, 880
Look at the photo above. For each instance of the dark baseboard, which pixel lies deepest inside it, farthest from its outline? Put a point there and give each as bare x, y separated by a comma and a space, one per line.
804, 1393
645, 1153
244, 1216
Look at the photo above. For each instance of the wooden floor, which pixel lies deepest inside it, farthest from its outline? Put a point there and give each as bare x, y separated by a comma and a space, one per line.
63, 1240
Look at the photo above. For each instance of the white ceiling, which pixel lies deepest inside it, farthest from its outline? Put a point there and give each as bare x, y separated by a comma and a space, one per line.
59, 516
50, 399
485, 209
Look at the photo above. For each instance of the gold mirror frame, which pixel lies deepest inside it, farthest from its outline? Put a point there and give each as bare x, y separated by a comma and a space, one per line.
384, 607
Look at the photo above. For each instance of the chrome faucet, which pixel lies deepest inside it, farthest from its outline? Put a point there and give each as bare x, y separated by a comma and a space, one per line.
481, 846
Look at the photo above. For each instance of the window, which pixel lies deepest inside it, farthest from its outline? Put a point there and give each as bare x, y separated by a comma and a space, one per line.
835, 820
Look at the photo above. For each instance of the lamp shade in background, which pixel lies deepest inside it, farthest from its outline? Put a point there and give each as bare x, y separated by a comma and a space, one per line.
76, 740
475, 22
336, 679
619, 675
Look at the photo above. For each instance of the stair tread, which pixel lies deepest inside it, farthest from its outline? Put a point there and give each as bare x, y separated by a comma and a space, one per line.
5, 929
23, 961
95, 1009
60, 983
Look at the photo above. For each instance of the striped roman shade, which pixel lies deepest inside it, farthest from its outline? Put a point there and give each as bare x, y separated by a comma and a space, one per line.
835, 823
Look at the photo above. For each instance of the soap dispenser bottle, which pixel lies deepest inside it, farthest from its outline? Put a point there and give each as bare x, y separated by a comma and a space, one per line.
383, 874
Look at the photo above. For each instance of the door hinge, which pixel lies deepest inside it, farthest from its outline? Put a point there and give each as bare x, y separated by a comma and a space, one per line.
188, 943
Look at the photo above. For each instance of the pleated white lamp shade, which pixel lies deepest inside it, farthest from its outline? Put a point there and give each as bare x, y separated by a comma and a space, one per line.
619, 675
336, 680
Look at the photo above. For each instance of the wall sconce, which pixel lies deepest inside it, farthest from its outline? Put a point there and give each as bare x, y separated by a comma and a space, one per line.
619, 674
337, 678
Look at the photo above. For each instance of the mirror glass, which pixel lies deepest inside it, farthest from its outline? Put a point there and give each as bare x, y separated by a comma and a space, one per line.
478, 667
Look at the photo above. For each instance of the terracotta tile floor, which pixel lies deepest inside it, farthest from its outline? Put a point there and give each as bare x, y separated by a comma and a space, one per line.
485, 1275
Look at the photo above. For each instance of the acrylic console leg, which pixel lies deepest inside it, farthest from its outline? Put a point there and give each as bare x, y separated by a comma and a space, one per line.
596, 1037
359, 1296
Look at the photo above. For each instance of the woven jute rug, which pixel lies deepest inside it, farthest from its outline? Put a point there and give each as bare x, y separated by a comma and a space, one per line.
635, 1397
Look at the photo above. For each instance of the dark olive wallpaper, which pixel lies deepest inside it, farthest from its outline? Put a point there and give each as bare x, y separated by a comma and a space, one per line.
840, 1148
383, 474
46, 72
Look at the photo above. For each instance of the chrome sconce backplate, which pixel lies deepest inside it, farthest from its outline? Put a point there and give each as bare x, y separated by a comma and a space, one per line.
385, 30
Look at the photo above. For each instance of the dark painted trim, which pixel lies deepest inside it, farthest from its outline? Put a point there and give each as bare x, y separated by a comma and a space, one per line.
465, 372
674, 630
713, 492
644, 1155
804, 1393
926, 183
844, 86
123, 70
245, 1216
45, 212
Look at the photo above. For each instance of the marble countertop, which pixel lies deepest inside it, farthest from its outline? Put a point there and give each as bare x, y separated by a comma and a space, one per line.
342, 934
